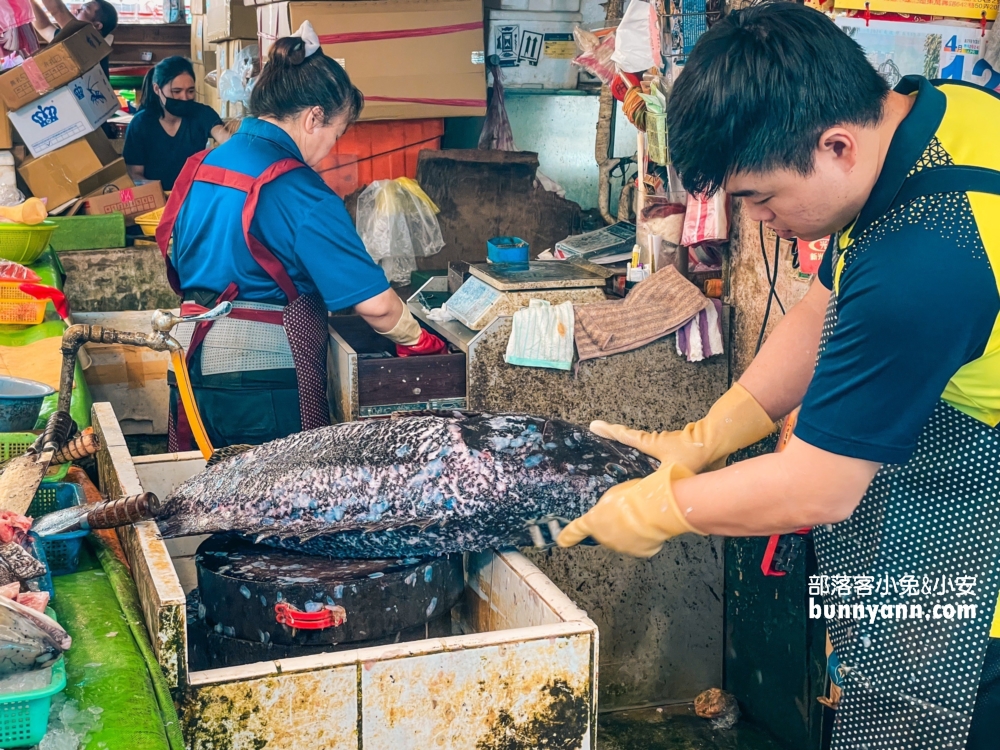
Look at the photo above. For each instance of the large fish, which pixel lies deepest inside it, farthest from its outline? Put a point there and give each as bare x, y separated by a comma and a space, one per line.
28, 640
407, 487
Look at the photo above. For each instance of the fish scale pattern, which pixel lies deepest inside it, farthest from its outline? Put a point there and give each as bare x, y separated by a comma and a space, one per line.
415, 486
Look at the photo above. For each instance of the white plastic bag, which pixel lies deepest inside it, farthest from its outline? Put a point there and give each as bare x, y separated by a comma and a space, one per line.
633, 40
236, 82
397, 223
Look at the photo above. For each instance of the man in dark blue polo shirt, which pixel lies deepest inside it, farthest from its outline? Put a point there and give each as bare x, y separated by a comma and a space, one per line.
895, 460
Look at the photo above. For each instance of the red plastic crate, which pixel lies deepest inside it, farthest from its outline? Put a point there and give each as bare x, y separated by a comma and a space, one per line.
378, 150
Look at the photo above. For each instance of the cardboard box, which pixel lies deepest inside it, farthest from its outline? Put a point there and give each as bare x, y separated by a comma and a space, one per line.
81, 168
197, 38
67, 113
130, 201
6, 136
202, 52
80, 48
211, 98
198, 7
88, 232
445, 70
229, 19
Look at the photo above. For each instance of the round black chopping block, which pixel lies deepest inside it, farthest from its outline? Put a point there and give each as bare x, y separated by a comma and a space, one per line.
240, 583
208, 649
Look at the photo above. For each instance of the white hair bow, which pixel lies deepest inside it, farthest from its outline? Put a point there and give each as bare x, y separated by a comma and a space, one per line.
307, 34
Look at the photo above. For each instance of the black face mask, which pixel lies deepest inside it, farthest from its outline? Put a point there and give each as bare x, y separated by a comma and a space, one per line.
180, 107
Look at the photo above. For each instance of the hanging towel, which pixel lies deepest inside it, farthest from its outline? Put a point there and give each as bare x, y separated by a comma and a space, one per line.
542, 336
654, 308
701, 337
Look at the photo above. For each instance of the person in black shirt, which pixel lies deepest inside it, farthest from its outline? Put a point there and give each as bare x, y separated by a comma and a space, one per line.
99, 13
170, 125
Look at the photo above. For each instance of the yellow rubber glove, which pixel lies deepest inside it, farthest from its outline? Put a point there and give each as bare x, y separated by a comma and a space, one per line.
735, 421
634, 517
406, 332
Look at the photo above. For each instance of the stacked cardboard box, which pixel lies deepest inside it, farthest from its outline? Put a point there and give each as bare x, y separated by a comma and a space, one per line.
203, 57
229, 19
410, 58
57, 101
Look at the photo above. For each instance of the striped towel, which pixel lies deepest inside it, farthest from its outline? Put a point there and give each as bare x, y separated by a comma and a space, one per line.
542, 336
701, 337
653, 309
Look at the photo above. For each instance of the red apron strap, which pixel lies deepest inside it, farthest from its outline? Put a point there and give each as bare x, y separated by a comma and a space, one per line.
225, 177
201, 329
182, 186
183, 437
274, 317
261, 254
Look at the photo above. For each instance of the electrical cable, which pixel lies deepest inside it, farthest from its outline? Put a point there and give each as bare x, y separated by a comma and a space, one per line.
772, 280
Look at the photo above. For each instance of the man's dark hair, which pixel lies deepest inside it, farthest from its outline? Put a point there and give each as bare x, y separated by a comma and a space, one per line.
758, 90
107, 15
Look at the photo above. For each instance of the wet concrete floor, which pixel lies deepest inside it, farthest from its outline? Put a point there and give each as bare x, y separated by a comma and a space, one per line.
675, 728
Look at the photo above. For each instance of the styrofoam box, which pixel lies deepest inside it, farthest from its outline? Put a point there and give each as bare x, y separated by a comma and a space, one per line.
536, 50
514, 637
68, 113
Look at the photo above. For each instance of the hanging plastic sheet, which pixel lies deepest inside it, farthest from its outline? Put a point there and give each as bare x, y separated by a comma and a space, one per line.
397, 222
236, 83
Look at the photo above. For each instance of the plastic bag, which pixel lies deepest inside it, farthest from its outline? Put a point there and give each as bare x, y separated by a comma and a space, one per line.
15, 13
706, 220
10, 196
496, 134
236, 82
397, 223
633, 45
596, 55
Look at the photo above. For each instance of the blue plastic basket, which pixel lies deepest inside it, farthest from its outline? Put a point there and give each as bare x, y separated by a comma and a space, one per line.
61, 550
42, 583
24, 717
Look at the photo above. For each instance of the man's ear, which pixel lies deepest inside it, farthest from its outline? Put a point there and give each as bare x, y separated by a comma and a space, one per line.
839, 143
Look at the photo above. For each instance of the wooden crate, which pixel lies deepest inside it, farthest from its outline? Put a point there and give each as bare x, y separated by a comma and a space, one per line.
524, 667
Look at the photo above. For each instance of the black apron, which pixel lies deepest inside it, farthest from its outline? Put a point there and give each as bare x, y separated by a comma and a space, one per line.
911, 684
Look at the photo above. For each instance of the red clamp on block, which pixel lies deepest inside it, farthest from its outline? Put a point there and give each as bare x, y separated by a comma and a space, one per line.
329, 617
781, 552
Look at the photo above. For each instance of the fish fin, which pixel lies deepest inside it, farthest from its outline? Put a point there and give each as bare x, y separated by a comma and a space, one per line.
221, 454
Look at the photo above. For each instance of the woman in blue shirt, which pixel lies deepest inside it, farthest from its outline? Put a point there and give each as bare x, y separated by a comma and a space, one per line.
170, 125
254, 224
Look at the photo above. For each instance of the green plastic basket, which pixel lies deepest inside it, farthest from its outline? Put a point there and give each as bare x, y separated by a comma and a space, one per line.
656, 137
23, 243
24, 717
14, 444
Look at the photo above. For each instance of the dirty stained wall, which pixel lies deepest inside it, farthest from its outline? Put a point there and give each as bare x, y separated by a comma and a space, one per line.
128, 278
748, 286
